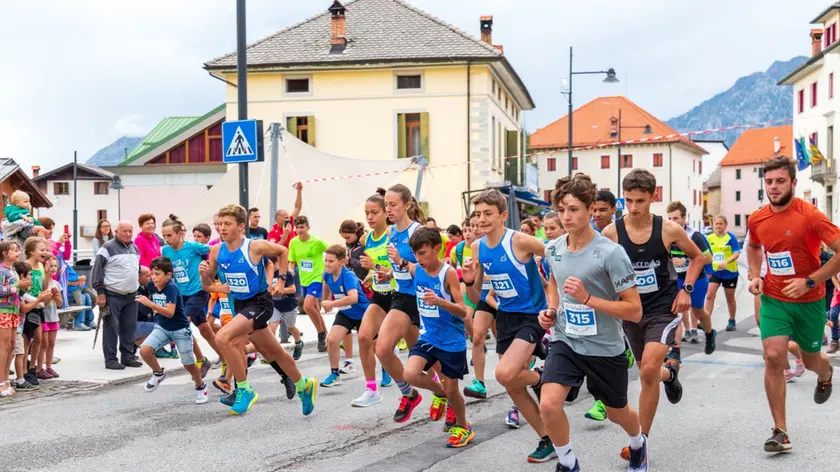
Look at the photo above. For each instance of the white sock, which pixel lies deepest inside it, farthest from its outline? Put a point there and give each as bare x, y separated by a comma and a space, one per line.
19, 381
636, 442
565, 455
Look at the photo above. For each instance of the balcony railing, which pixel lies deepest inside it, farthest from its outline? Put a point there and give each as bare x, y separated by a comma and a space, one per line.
824, 171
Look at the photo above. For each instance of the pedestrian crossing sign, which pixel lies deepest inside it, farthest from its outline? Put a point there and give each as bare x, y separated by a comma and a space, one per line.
242, 141
619, 204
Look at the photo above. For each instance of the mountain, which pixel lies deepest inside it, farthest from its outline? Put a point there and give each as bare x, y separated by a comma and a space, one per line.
114, 153
753, 99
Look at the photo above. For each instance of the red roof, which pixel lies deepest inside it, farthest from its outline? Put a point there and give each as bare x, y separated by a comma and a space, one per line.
757, 145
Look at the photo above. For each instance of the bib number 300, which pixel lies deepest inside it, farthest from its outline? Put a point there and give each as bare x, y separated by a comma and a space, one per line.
646, 281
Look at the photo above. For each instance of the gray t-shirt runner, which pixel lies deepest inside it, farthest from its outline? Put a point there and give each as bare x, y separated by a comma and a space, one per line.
605, 270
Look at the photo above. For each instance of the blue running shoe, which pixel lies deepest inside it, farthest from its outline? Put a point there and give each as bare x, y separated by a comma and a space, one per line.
386, 379
332, 380
307, 396
228, 399
638, 458
245, 399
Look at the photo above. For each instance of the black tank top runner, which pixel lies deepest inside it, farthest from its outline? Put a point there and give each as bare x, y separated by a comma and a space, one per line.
656, 277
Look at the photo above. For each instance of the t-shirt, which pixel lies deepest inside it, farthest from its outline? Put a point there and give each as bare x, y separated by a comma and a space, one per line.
791, 241
309, 257
285, 303
72, 276
257, 233
51, 309
605, 271
37, 276
185, 262
144, 313
341, 286
169, 294
722, 248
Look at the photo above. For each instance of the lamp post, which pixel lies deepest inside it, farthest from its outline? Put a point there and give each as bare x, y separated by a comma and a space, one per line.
116, 184
617, 133
610, 79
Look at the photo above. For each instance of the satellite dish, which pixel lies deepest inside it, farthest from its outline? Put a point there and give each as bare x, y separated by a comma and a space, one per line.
777, 145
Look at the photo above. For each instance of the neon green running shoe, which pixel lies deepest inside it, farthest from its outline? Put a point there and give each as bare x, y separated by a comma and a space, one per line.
631, 361
598, 412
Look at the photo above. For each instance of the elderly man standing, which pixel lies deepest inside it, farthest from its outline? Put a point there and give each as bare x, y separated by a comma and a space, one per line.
115, 279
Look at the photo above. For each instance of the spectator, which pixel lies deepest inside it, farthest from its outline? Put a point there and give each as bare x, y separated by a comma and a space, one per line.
62, 246
147, 242
116, 278
431, 223
255, 231
102, 235
455, 237
538, 222
14, 231
82, 295
283, 231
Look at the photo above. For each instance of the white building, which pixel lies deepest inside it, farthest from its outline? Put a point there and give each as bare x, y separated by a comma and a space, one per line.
677, 163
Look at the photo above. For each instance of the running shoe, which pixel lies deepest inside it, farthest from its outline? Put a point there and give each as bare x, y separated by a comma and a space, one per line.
332, 380
201, 394
674, 355
322, 342
249, 360
631, 360
823, 390
290, 387
205, 367
673, 389
162, 353
538, 387
695, 339
53, 373
154, 381
686, 336
229, 399
625, 453
223, 385
512, 418
638, 458
543, 453
532, 363
563, 468
402, 346
797, 371
460, 437
173, 353
778, 442
449, 422
349, 367
407, 405
476, 390
245, 399
368, 398
298, 350
224, 368
386, 379
307, 396
730, 326
438, 408
598, 412
711, 344
25, 387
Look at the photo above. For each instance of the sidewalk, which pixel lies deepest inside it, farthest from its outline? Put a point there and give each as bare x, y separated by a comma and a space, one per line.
82, 362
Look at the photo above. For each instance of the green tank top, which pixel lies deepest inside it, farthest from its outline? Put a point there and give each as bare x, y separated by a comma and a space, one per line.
37, 275
377, 250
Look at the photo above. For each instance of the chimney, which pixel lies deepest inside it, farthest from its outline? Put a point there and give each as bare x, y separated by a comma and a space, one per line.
487, 29
816, 41
338, 40
36, 170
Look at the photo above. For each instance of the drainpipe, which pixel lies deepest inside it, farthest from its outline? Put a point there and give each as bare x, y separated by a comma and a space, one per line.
670, 174
469, 150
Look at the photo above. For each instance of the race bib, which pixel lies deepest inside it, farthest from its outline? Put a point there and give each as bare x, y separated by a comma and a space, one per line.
159, 299
580, 320
780, 263
382, 287
401, 274
502, 285
338, 296
425, 310
718, 258
181, 275
225, 307
683, 268
238, 282
646, 281
486, 286
306, 266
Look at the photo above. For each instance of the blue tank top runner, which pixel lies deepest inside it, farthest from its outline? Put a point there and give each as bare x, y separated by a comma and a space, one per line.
245, 279
517, 285
438, 327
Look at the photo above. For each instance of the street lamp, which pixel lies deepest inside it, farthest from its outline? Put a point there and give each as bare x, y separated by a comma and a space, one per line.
616, 133
610, 79
116, 184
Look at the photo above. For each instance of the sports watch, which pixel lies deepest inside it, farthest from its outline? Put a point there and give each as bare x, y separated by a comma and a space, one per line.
689, 289
809, 282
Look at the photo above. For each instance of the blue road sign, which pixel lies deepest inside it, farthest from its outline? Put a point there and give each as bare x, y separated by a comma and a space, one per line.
241, 141
619, 204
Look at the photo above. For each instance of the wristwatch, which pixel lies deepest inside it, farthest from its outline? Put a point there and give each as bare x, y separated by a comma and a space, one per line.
809, 282
689, 289
404, 263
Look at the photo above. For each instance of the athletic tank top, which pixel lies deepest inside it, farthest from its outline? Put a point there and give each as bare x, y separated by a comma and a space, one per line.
399, 239
517, 285
377, 250
656, 277
438, 327
245, 279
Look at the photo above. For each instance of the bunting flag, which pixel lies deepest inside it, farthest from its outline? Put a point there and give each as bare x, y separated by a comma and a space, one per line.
816, 155
801, 155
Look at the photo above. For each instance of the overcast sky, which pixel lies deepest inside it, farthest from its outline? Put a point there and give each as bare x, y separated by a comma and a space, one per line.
78, 75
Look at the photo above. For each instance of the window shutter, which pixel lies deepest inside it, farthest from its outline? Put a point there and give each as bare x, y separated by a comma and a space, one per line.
310, 123
291, 125
512, 163
402, 136
424, 135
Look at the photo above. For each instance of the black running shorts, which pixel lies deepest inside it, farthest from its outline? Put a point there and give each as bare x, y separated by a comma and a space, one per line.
606, 377
258, 308
408, 305
510, 326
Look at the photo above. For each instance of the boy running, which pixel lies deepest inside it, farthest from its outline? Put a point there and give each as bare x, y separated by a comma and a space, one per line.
307, 253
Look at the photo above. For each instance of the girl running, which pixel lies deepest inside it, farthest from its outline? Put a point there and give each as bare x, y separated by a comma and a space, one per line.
725, 252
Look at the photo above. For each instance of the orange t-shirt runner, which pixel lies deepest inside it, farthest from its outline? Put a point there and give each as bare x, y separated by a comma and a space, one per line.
791, 241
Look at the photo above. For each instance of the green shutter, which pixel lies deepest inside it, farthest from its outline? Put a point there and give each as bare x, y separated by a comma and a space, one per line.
424, 135
402, 135
291, 125
512, 170
310, 122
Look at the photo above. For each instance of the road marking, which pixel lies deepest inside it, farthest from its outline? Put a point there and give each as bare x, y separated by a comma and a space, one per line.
728, 364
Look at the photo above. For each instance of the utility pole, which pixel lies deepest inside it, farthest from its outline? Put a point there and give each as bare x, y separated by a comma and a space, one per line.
275, 151
242, 97
75, 206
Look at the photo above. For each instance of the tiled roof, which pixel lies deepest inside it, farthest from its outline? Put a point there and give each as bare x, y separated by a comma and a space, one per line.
591, 126
756, 146
376, 31
9, 169
95, 171
167, 129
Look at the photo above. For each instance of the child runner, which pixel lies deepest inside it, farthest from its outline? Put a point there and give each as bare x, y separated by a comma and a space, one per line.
172, 325
442, 313
201, 233
186, 256
307, 252
286, 304
238, 262
351, 301
11, 286
50, 326
375, 258
500, 254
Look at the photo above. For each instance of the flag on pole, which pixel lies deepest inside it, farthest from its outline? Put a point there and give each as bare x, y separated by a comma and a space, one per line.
801, 155
816, 155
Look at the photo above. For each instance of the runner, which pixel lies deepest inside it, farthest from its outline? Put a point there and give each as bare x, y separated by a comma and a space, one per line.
647, 239
351, 301
500, 254
238, 262
792, 307
374, 258
598, 292
403, 319
676, 213
553, 229
725, 252
186, 256
442, 313
307, 253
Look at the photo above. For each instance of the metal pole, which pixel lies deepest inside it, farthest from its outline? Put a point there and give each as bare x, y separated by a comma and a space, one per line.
119, 204
570, 110
275, 151
242, 96
618, 167
75, 206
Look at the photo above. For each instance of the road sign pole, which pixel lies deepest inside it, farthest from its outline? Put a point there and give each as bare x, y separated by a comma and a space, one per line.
242, 95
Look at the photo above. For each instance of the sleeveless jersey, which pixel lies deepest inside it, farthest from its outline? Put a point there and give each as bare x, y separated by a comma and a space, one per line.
245, 279
656, 277
517, 285
377, 250
438, 327
399, 239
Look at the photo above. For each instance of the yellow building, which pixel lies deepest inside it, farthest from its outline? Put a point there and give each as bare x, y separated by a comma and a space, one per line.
381, 79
